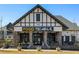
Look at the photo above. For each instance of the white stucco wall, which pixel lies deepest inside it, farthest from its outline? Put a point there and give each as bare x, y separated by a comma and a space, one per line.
27, 18
18, 24
31, 17
44, 17
57, 28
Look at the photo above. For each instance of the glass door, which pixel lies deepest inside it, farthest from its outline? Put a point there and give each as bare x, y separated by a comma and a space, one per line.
24, 37
51, 39
37, 38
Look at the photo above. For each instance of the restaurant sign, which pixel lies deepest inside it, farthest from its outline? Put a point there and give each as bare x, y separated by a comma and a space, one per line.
28, 29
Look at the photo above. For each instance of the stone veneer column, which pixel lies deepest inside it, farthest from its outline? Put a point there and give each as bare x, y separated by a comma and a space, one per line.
45, 40
59, 39
16, 37
30, 39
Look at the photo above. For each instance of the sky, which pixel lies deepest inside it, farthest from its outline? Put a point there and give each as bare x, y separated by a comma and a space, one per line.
11, 12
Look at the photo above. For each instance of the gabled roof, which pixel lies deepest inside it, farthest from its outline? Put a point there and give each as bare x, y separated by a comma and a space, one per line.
39, 6
72, 26
9, 26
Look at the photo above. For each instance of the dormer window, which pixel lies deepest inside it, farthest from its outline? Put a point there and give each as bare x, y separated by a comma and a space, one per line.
37, 17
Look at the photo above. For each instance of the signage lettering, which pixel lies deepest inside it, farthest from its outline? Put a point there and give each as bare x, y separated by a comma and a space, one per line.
28, 29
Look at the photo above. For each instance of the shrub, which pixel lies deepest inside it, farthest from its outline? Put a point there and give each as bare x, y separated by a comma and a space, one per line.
7, 43
77, 44
19, 47
1, 43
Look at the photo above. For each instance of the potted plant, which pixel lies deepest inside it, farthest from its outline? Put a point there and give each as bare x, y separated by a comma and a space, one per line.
39, 48
19, 47
58, 49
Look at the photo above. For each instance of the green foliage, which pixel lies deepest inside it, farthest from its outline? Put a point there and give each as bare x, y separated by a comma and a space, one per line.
1, 43
7, 41
77, 44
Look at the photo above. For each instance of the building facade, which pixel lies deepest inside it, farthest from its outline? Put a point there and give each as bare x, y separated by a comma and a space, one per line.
38, 27
6, 32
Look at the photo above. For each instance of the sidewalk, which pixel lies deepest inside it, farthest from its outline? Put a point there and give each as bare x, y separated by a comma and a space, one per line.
33, 51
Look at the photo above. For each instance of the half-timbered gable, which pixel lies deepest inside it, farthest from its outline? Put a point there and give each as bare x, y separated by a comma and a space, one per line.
40, 18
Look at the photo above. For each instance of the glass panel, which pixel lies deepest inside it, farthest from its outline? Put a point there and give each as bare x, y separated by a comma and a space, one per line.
67, 39
51, 39
24, 37
63, 40
37, 38
37, 17
72, 40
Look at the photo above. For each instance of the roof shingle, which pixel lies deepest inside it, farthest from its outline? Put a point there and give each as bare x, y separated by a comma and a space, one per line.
72, 26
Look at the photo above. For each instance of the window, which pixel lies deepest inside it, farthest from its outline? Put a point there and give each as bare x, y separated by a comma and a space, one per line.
62, 37
37, 17
52, 28
9, 32
67, 38
70, 39
73, 38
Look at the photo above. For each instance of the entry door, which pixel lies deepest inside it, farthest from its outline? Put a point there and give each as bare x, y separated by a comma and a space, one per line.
37, 38
51, 38
24, 37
